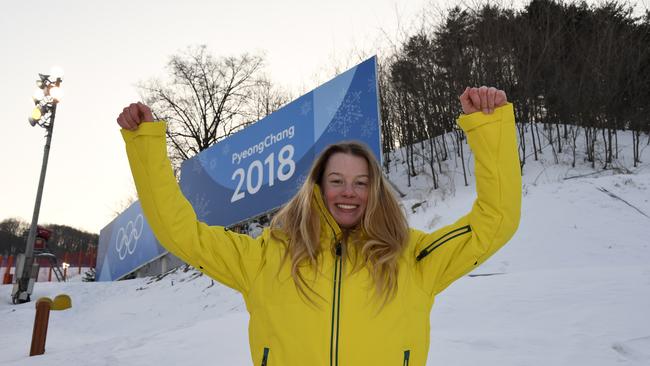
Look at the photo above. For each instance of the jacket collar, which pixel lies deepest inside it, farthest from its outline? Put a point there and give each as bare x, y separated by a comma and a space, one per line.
328, 225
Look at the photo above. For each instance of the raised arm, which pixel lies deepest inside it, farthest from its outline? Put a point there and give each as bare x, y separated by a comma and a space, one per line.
230, 258
452, 251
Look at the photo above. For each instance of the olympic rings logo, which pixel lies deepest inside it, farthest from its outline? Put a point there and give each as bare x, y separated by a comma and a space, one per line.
127, 237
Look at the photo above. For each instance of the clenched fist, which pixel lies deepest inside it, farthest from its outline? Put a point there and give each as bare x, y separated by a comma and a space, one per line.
482, 99
133, 115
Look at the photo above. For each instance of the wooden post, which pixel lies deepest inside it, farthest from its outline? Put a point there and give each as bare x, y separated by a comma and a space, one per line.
40, 327
49, 277
42, 318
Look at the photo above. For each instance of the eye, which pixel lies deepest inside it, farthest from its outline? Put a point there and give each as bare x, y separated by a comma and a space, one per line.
362, 183
336, 181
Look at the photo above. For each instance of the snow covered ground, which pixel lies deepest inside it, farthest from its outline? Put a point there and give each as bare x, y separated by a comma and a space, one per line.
571, 288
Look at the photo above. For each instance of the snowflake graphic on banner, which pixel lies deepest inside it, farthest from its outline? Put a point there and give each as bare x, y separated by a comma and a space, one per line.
300, 181
226, 149
203, 159
347, 115
372, 84
369, 127
196, 166
200, 204
207, 164
305, 108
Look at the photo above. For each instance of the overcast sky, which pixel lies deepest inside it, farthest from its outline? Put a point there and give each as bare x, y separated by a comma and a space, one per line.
105, 48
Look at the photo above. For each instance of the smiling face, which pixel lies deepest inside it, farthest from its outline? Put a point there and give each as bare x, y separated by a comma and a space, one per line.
346, 184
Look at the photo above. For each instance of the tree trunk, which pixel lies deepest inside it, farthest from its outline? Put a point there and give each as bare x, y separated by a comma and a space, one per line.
559, 139
462, 156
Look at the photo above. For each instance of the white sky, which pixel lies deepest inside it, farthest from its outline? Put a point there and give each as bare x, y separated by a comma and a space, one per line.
105, 48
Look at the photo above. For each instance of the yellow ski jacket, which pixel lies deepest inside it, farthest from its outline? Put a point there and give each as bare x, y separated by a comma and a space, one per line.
346, 327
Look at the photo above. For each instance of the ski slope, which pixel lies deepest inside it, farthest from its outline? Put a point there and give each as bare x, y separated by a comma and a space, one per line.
571, 288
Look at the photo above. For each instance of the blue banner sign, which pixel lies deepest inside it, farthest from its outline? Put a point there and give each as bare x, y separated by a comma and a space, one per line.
125, 244
261, 167
257, 169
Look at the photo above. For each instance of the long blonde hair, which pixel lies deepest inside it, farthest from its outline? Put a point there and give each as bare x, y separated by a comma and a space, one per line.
383, 225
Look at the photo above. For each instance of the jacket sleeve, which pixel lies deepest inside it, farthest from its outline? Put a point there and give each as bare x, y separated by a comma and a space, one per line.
449, 253
230, 258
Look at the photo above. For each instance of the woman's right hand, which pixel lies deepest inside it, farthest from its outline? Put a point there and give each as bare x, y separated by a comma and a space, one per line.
133, 115
482, 99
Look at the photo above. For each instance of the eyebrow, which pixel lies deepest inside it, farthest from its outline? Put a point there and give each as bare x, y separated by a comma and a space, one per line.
358, 176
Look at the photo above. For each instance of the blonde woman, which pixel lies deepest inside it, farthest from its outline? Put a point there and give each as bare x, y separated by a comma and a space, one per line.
339, 278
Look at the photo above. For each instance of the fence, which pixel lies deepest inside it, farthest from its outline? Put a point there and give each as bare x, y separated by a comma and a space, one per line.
77, 263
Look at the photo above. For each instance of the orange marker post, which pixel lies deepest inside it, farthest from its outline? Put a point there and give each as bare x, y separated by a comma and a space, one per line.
40, 326
7, 279
42, 318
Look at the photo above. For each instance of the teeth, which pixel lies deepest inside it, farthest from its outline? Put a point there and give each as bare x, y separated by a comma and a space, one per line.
346, 207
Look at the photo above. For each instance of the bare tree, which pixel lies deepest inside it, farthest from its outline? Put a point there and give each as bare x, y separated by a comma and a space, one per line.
266, 99
14, 226
204, 98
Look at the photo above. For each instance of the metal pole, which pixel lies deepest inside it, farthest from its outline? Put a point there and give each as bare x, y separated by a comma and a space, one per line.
31, 238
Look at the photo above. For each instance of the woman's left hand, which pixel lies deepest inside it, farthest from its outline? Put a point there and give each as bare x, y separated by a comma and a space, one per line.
482, 99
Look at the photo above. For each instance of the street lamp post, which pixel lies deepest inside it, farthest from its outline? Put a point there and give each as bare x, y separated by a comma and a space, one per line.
46, 98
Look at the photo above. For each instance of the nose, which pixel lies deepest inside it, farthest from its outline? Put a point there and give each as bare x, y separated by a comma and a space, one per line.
349, 191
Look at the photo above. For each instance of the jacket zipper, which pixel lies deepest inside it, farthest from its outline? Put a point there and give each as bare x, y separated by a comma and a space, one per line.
336, 308
407, 355
265, 357
447, 237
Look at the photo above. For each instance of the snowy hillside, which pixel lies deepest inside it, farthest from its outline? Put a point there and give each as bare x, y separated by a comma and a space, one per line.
571, 288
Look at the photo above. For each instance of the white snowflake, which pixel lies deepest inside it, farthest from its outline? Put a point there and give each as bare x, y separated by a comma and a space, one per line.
203, 162
201, 204
302, 178
203, 159
305, 108
348, 113
369, 127
372, 85
196, 166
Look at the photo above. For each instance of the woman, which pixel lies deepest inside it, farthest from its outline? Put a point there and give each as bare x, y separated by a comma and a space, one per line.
339, 278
